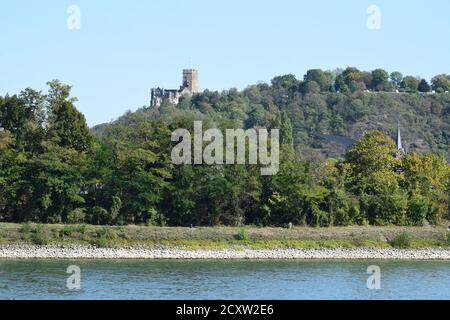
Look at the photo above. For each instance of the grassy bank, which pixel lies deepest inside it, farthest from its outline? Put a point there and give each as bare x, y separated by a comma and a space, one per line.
225, 237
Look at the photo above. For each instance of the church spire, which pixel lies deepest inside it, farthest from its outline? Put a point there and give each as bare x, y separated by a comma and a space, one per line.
399, 140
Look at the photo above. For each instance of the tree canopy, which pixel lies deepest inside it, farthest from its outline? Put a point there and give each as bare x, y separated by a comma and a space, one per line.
54, 169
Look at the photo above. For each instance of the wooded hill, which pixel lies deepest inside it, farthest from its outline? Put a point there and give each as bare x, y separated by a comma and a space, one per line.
321, 114
53, 169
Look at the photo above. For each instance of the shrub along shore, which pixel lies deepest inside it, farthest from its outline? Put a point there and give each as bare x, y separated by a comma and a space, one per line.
30, 241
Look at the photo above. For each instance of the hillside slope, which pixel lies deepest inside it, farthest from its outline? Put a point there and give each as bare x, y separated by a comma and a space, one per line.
322, 123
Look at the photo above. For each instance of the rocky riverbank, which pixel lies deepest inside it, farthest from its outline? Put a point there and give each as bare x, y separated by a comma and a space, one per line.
92, 252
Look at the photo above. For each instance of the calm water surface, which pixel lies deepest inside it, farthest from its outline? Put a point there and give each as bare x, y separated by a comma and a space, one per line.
163, 280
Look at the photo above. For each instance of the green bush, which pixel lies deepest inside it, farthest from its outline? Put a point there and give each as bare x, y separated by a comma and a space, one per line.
418, 210
402, 241
358, 242
67, 231
446, 238
341, 217
101, 242
100, 216
76, 216
115, 207
39, 236
243, 235
107, 233
319, 217
25, 228
104, 237
82, 229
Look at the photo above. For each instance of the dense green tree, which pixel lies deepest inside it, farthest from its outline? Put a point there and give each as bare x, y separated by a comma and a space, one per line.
283, 123
66, 125
372, 175
286, 81
373, 153
396, 78
46, 179
324, 79
340, 85
418, 209
140, 168
410, 84
257, 117
52, 184
10, 173
23, 117
424, 86
309, 87
427, 179
441, 83
284, 194
350, 79
380, 80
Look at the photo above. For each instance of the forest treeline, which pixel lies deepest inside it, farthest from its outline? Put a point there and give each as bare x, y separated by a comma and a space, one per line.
54, 169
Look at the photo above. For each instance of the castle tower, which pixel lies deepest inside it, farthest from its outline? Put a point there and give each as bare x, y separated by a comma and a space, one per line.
190, 80
189, 87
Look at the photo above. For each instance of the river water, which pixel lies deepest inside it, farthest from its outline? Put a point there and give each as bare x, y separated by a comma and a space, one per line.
166, 280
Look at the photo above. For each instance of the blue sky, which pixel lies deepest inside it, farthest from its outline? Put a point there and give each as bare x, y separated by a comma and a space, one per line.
126, 47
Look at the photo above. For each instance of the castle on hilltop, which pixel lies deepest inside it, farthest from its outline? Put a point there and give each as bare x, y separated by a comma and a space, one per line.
187, 89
